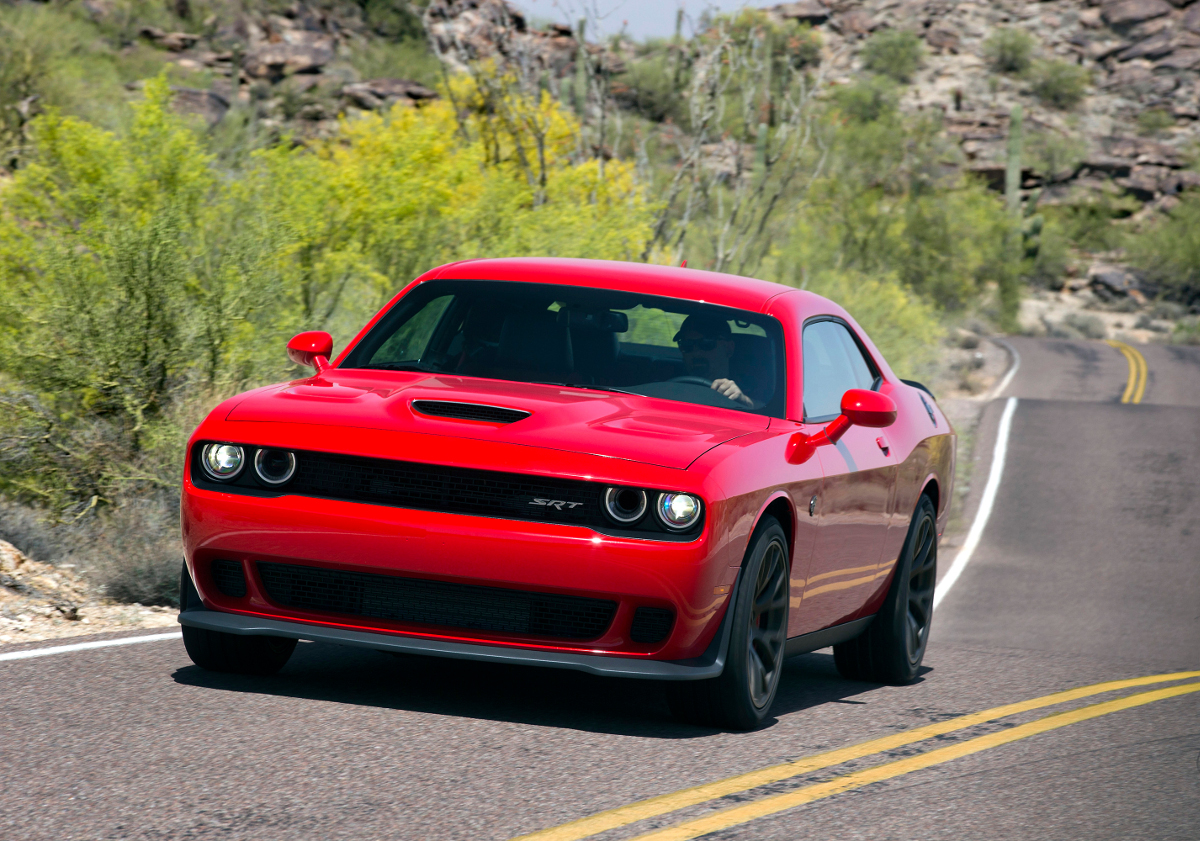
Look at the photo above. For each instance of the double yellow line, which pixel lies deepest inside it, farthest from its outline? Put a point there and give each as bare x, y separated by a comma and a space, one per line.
769, 805
1136, 387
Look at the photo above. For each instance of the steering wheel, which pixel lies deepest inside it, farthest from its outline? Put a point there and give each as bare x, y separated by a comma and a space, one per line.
692, 379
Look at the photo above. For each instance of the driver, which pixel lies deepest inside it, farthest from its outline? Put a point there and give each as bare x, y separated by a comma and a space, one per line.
706, 343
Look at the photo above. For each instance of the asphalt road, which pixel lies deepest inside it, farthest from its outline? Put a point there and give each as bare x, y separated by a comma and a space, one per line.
1088, 571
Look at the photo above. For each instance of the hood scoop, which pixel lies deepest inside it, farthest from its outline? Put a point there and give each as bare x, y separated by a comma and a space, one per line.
468, 411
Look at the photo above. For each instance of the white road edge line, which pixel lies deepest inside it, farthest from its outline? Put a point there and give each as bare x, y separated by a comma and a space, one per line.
84, 646
985, 505
998, 389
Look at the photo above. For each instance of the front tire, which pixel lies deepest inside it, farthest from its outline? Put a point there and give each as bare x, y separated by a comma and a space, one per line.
892, 647
221, 652
742, 696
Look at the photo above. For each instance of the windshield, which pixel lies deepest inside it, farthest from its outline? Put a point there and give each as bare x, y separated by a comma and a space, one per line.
583, 337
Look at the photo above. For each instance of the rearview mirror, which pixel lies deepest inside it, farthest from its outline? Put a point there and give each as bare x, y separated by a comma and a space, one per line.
312, 348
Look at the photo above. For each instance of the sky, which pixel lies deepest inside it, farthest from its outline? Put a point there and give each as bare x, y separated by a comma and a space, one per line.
645, 18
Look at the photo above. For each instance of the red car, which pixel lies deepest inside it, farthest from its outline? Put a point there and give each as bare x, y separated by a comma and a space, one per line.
630, 470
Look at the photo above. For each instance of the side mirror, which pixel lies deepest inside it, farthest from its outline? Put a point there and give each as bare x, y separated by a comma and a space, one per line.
868, 408
312, 348
860, 407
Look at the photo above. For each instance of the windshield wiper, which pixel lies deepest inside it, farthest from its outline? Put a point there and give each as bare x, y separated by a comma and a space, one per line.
402, 366
589, 387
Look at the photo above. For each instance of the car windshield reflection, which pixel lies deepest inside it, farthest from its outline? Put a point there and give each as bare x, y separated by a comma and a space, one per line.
582, 337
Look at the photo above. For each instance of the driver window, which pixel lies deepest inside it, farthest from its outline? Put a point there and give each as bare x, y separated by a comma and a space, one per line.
833, 364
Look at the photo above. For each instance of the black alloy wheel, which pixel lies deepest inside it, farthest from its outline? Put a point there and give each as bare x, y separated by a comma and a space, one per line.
220, 652
893, 646
768, 625
741, 697
922, 576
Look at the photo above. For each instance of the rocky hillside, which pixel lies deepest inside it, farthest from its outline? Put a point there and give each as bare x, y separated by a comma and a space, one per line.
1110, 92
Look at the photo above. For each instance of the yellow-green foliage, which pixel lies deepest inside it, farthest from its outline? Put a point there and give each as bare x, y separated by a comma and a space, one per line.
130, 267
905, 327
882, 207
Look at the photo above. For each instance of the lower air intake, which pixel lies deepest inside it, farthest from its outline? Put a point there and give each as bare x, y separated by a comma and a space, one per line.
424, 602
651, 624
229, 578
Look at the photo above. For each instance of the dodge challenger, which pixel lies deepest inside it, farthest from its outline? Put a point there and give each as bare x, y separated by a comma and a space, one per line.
630, 470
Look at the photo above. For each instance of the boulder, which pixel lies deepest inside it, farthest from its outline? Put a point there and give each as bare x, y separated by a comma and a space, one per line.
274, 61
1129, 12
1191, 19
1156, 46
1145, 182
177, 42
1100, 50
805, 11
1188, 59
852, 22
378, 93
1116, 167
1144, 151
942, 39
1113, 280
1178, 182
207, 104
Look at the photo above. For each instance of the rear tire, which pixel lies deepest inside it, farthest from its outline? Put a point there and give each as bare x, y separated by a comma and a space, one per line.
742, 696
221, 652
892, 647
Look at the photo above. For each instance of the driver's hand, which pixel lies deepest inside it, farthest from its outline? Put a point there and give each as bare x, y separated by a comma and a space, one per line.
730, 389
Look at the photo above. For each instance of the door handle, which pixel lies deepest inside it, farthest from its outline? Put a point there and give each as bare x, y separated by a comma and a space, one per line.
883, 445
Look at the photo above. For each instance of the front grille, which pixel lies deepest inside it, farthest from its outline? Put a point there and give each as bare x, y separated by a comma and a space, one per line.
229, 578
424, 602
454, 490
651, 624
469, 411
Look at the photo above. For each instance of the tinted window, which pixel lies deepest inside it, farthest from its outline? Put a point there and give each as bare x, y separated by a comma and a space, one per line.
577, 336
833, 364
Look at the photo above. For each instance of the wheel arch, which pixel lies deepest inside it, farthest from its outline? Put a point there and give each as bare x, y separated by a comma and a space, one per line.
779, 506
932, 489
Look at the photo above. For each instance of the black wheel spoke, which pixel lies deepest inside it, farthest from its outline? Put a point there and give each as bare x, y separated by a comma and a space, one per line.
768, 623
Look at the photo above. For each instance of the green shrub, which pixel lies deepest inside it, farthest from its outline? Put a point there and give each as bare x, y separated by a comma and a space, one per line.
1054, 155
1087, 223
895, 53
904, 327
1154, 120
1059, 84
1186, 332
410, 58
393, 19
1009, 50
1169, 251
867, 100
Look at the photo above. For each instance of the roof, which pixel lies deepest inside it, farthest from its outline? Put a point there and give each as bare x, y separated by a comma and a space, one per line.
669, 281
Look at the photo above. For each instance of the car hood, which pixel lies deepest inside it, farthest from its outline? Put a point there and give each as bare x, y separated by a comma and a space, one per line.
653, 431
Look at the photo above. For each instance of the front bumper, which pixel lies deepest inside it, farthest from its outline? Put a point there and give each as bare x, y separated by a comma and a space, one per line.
708, 665
691, 578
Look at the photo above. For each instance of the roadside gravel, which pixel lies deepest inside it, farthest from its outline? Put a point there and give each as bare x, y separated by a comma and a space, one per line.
42, 602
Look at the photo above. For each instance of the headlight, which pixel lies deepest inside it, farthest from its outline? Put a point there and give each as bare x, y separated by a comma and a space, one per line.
222, 462
625, 505
678, 511
275, 467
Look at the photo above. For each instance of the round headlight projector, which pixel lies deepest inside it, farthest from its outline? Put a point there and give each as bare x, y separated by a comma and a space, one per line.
678, 511
223, 462
625, 505
275, 467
